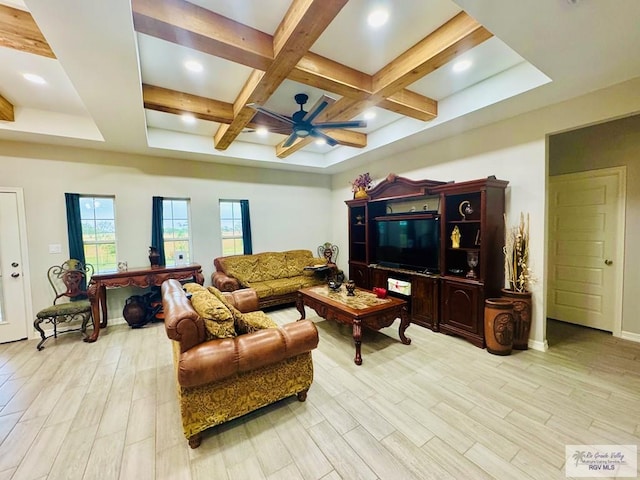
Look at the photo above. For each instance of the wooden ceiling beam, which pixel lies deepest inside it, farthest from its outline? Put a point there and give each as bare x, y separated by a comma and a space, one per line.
458, 35
171, 101
186, 24
6, 110
18, 30
455, 37
183, 23
303, 23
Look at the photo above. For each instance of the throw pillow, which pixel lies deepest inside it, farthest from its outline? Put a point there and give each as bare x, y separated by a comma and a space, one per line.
244, 322
217, 318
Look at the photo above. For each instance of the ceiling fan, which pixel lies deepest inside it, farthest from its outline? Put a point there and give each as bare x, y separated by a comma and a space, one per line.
300, 124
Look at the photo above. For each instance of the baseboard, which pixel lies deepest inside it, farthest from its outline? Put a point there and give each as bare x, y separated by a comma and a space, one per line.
634, 337
540, 346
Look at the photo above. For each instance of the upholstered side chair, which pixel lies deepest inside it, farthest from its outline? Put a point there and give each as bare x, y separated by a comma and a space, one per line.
70, 304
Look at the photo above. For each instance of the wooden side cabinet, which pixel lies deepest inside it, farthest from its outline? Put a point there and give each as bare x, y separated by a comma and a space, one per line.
424, 301
462, 310
359, 273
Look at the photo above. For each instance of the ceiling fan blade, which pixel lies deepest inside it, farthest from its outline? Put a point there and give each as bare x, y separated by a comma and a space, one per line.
349, 124
290, 139
332, 142
275, 115
319, 106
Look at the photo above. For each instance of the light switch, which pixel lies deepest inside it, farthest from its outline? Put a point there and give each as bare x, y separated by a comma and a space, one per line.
55, 248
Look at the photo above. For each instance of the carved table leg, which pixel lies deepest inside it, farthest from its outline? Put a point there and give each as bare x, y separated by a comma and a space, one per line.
92, 293
102, 296
357, 338
300, 307
404, 324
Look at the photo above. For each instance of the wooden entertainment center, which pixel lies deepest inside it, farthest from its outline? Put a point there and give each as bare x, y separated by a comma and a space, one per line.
449, 298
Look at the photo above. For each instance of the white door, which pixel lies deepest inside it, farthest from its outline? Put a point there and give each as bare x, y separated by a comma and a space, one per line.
14, 288
586, 248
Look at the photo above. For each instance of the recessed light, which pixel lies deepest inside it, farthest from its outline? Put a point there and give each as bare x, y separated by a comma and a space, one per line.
321, 141
378, 17
33, 78
262, 131
369, 115
461, 66
188, 118
193, 66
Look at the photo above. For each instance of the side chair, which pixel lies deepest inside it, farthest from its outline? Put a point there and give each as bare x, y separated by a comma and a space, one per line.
69, 282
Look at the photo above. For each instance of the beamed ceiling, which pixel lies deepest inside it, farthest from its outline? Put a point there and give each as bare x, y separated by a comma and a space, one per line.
116, 78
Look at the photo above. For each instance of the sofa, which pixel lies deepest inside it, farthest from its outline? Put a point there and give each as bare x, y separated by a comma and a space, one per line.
275, 276
230, 358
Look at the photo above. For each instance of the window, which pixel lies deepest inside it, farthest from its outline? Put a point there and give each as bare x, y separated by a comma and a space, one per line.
175, 231
231, 227
97, 215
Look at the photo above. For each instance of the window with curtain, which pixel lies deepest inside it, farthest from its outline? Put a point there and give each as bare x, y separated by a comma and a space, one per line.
234, 236
176, 231
98, 220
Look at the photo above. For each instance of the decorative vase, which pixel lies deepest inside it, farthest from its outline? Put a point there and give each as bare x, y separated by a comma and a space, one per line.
154, 257
360, 193
521, 317
498, 326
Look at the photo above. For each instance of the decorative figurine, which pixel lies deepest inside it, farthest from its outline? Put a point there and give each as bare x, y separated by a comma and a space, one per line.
351, 287
455, 237
465, 209
472, 261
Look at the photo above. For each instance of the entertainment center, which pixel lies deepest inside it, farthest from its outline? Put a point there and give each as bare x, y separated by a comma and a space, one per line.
437, 245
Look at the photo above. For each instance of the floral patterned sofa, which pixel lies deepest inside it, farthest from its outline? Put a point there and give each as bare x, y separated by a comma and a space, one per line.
231, 359
275, 276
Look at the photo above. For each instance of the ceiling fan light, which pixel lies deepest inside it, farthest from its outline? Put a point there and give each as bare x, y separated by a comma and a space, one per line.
321, 141
262, 131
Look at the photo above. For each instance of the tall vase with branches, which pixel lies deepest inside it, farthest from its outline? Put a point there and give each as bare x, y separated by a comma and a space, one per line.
518, 276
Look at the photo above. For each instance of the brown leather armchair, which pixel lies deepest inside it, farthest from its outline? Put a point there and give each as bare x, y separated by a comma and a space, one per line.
225, 378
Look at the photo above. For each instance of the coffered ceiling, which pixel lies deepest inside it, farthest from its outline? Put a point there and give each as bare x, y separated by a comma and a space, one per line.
115, 73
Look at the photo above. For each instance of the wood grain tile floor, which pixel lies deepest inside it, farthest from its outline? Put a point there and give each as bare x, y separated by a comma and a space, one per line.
439, 408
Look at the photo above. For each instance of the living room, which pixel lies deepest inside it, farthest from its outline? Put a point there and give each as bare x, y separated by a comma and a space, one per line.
302, 206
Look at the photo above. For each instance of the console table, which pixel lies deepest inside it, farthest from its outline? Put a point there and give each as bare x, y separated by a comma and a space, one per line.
138, 277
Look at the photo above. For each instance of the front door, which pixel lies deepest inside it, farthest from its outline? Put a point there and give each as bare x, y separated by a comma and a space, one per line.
586, 248
14, 287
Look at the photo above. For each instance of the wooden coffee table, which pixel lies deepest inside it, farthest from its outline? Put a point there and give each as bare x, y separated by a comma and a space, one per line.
364, 308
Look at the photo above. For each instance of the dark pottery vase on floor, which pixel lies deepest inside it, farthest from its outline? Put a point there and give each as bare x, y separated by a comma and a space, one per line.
521, 317
498, 326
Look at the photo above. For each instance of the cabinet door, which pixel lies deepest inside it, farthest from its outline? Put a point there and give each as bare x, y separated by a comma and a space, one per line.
359, 273
461, 310
378, 278
424, 302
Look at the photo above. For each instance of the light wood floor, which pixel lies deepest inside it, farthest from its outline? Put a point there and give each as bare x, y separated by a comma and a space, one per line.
439, 408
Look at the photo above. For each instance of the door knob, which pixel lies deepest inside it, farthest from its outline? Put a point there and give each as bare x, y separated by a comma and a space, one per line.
15, 275
608, 262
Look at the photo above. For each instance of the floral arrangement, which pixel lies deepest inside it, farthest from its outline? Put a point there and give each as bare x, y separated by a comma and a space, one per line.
516, 255
363, 182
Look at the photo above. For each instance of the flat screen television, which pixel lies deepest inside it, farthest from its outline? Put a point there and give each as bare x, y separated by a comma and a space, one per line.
408, 243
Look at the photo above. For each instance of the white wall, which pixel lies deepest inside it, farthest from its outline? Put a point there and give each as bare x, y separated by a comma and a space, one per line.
513, 150
288, 210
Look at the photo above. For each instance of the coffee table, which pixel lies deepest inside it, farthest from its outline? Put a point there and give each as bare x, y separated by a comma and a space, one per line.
364, 308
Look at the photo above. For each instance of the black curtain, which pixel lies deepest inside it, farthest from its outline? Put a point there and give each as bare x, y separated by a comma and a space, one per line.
246, 227
74, 227
157, 237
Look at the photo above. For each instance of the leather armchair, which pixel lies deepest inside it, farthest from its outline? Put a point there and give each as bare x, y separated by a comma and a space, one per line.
214, 374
